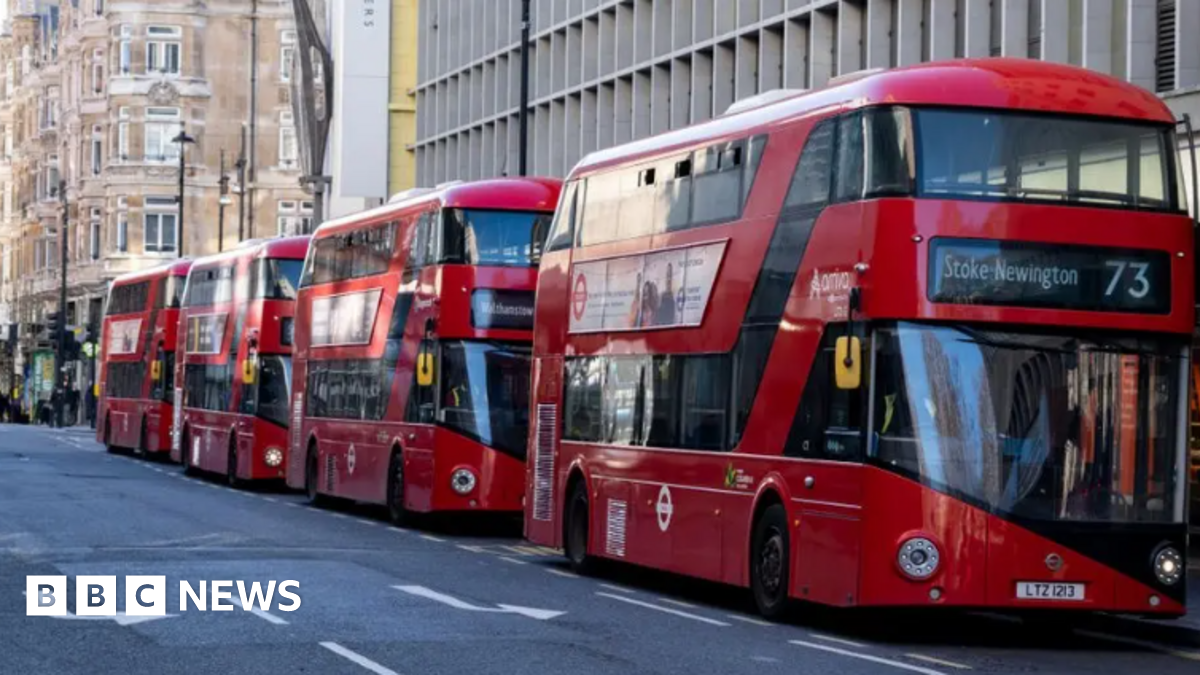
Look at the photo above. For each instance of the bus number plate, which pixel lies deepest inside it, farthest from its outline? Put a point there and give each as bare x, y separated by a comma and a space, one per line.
1042, 590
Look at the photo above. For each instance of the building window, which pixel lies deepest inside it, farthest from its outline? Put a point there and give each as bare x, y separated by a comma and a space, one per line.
125, 50
98, 71
122, 232
52, 178
289, 152
287, 55
163, 48
162, 124
98, 5
160, 222
94, 238
97, 150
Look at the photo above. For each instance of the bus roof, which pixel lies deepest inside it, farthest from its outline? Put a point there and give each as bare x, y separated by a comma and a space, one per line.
278, 247
994, 83
175, 268
525, 194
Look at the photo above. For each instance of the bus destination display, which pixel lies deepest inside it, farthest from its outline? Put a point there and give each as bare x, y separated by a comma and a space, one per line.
986, 272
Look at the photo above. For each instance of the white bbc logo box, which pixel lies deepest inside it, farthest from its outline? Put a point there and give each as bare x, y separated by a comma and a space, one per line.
95, 595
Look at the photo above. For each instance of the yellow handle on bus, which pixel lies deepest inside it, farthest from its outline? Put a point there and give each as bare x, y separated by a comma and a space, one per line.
156, 370
248, 371
425, 368
847, 357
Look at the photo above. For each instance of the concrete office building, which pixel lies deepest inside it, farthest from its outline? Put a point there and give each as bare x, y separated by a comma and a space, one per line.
604, 72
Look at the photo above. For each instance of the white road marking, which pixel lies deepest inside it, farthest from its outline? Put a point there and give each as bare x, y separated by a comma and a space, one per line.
335, 514
294, 504
472, 549
668, 610
364, 521
430, 594
561, 573
1144, 644
619, 589
867, 657
939, 662
840, 641
513, 560
680, 603
358, 658
430, 537
752, 620
267, 616
269, 499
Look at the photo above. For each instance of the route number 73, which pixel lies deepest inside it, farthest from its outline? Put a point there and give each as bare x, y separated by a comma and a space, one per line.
1140, 286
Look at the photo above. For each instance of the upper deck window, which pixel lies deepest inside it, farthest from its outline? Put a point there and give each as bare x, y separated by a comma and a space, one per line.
170, 292
977, 154
493, 238
129, 298
210, 286
350, 255
275, 278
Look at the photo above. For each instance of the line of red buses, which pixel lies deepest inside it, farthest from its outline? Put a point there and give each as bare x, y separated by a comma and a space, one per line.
917, 338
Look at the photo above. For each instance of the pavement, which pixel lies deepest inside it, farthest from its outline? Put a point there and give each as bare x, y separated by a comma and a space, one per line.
385, 600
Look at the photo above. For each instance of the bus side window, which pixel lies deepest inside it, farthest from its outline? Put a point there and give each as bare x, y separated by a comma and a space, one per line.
562, 232
828, 422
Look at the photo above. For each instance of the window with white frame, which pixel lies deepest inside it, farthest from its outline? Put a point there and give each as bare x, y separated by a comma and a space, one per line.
122, 141
164, 48
10, 79
124, 51
160, 224
94, 235
287, 55
289, 151
52, 177
8, 141
98, 71
293, 217
97, 150
26, 60
162, 125
98, 6
122, 227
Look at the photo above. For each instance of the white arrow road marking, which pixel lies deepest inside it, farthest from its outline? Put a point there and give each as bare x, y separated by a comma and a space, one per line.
358, 658
430, 594
868, 657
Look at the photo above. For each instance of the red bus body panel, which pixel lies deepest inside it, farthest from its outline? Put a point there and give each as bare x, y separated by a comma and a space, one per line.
141, 422
354, 455
207, 435
846, 519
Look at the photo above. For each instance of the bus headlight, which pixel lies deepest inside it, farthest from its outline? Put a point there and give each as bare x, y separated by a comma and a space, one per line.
918, 558
1168, 566
273, 457
463, 481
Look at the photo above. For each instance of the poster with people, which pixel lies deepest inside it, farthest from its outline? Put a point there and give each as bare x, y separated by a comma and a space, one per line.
666, 289
345, 319
123, 336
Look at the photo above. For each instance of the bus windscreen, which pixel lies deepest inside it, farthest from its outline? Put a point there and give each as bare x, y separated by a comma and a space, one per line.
494, 238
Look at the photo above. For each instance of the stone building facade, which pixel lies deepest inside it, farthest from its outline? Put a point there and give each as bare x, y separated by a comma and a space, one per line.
94, 91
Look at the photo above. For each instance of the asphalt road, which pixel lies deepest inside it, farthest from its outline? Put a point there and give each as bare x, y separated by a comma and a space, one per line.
377, 599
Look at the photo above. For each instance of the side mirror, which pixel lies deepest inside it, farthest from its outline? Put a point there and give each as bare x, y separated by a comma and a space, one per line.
848, 362
425, 367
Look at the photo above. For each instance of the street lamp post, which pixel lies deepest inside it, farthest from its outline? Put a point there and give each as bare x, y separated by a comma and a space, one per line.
222, 202
182, 139
60, 354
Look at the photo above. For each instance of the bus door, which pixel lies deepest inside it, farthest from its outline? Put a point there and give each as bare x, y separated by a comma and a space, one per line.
419, 432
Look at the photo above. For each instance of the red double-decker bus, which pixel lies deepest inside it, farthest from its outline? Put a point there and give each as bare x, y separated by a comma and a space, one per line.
233, 375
917, 338
412, 349
137, 359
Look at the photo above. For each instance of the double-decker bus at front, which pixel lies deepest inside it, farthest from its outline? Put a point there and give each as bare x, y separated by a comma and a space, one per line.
917, 338
234, 371
136, 364
412, 349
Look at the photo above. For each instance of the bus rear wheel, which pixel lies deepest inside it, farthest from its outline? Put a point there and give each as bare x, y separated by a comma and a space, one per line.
769, 562
232, 467
142, 451
310, 476
108, 446
185, 452
397, 514
575, 541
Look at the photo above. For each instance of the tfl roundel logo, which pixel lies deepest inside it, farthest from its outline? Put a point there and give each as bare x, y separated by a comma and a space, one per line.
579, 297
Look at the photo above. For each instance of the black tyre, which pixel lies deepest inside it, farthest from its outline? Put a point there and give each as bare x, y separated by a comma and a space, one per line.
141, 450
108, 446
185, 452
311, 476
232, 466
769, 562
395, 489
575, 539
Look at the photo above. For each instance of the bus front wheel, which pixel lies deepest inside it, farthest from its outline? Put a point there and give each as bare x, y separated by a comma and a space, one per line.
185, 452
233, 479
769, 562
576, 540
397, 513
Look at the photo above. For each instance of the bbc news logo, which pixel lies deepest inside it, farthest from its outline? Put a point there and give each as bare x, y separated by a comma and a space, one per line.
147, 595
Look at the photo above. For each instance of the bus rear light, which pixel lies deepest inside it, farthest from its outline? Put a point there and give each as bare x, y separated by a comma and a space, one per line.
918, 558
1168, 566
462, 481
273, 457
